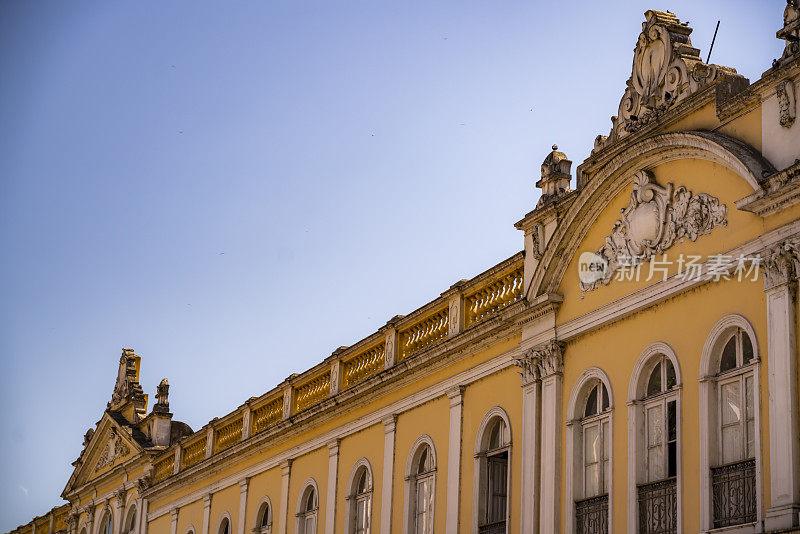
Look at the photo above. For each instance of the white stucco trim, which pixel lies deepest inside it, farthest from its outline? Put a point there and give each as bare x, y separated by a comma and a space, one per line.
264, 505
309, 483
409, 493
576, 396
190, 529
453, 494
387, 476
222, 517
333, 479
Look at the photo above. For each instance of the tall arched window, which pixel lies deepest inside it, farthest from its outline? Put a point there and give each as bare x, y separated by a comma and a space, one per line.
264, 518
130, 521
107, 524
492, 464
730, 435
307, 509
589, 454
224, 526
359, 499
421, 487
654, 442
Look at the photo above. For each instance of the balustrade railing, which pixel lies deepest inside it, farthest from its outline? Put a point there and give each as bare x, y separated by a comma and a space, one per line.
312, 392
423, 333
493, 297
267, 415
364, 365
164, 468
193, 453
658, 507
733, 489
228, 435
498, 527
591, 515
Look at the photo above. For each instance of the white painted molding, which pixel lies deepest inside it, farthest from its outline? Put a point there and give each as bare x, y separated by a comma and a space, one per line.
243, 488
531, 429
309, 485
644, 363
712, 348
389, 426
333, 479
190, 529
206, 513
224, 516
264, 506
409, 493
283, 520
479, 495
453, 495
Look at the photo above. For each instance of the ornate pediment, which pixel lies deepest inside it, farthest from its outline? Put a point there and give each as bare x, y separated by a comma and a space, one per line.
114, 450
655, 218
666, 69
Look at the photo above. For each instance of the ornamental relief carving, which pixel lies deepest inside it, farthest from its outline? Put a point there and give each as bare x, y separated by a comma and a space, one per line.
115, 449
655, 218
666, 69
541, 362
781, 263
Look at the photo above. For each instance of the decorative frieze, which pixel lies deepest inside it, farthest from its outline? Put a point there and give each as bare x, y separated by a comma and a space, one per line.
655, 218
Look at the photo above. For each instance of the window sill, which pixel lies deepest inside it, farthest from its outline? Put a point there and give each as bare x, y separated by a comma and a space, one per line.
744, 528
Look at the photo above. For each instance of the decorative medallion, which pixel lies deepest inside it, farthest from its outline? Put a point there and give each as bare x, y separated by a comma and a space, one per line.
654, 219
115, 449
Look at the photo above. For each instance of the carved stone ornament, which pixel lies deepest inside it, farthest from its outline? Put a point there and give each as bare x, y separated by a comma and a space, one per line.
88, 437
666, 70
786, 103
790, 32
537, 241
781, 263
120, 495
541, 362
655, 218
115, 448
127, 388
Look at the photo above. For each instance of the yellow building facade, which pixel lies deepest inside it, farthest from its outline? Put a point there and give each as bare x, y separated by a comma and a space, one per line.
633, 369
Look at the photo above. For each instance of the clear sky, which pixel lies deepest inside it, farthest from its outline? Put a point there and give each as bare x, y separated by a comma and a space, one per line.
234, 189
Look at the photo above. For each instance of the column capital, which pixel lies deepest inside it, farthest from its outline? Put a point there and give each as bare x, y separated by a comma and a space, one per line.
333, 447
541, 362
455, 394
286, 465
244, 484
174, 513
781, 263
207, 500
389, 423
120, 495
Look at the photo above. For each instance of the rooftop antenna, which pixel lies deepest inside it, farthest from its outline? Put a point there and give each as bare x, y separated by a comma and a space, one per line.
712, 42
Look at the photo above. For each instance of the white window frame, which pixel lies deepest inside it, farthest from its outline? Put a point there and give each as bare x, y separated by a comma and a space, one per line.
411, 481
264, 506
105, 516
225, 516
480, 471
638, 402
574, 443
301, 515
352, 497
710, 450
131, 509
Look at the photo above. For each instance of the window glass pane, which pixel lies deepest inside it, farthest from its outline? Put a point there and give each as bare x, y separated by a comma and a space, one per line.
731, 407
423, 461
362, 482
671, 379
672, 459
749, 407
654, 382
591, 403
605, 398
654, 426
606, 440
728, 360
672, 421
591, 480
747, 348
751, 439
655, 464
591, 440
731, 444
265, 517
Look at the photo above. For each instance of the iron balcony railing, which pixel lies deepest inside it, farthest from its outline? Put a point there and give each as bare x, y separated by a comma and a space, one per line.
498, 527
591, 515
733, 488
658, 507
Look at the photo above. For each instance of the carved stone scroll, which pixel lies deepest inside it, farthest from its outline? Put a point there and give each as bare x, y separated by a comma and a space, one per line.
666, 70
541, 362
655, 218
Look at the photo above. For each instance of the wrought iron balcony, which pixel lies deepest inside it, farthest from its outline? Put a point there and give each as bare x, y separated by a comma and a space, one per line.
498, 527
591, 515
733, 488
658, 507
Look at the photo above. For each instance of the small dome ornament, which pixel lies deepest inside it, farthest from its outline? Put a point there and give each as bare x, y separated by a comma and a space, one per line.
555, 176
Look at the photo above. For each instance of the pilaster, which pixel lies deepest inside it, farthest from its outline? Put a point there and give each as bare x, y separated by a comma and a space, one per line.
243, 488
456, 396
286, 468
206, 513
173, 529
330, 495
389, 428
119, 507
781, 268
531, 417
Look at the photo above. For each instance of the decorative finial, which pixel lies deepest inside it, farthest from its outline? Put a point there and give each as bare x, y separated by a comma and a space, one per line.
555, 147
162, 397
555, 175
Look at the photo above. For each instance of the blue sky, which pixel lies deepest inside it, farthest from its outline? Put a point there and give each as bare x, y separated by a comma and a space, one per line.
236, 189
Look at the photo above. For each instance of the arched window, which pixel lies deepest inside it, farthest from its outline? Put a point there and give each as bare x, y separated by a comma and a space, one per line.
589, 454
492, 464
224, 526
359, 498
653, 442
264, 518
130, 521
421, 487
107, 524
307, 509
730, 435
